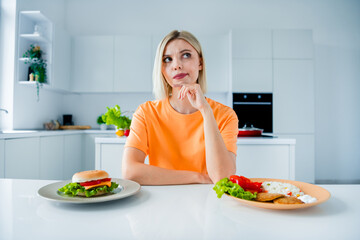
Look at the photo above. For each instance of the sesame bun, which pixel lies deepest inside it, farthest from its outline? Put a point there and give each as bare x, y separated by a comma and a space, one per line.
89, 175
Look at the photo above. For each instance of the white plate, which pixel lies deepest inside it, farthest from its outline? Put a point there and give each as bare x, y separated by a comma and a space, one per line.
126, 188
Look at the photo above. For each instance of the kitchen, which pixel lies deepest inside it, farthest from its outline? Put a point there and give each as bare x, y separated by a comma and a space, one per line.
327, 103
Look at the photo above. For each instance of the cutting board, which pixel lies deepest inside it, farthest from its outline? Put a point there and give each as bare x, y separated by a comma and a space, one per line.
74, 127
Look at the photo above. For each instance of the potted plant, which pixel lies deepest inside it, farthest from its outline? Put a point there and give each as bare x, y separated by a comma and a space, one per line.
122, 123
101, 122
37, 69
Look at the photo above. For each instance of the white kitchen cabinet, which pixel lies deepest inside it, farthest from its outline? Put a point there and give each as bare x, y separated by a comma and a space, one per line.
22, 158
93, 64
266, 161
293, 97
61, 63
216, 50
293, 44
89, 149
133, 69
305, 157
109, 158
252, 75
51, 157
2, 158
73, 155
252, 44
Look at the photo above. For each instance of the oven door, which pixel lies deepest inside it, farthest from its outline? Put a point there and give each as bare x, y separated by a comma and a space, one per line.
255, 110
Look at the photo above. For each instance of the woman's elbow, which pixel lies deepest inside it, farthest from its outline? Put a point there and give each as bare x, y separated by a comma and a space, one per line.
222, 173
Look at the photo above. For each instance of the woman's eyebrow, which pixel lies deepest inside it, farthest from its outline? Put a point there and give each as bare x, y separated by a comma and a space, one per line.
184, 50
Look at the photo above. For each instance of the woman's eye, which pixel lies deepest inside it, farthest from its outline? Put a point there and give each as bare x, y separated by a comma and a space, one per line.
167, 59
187, 55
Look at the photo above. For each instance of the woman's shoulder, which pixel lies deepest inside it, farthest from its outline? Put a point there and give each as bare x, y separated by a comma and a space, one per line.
150, 106
217, 105
220, 109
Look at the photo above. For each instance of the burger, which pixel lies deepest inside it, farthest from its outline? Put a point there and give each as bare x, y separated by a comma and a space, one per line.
89, 184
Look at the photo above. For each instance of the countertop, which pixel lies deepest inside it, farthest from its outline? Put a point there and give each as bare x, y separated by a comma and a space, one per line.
240, 140
172, 212
41, 133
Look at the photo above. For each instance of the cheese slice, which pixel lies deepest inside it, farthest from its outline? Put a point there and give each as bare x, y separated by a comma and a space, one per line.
108, 183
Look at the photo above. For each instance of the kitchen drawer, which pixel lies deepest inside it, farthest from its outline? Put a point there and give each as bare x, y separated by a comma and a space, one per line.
2, 158
22, 159
266, 161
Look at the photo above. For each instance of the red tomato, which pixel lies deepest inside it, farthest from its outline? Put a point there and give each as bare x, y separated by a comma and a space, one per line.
246, 183
94, 182
127, 132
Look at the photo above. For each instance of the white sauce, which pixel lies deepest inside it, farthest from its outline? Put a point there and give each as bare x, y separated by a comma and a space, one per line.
307, 199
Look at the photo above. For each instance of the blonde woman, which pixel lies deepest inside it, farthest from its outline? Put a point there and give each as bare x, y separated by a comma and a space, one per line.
188, 138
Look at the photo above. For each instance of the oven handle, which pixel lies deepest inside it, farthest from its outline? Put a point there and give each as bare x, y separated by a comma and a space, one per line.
252, 103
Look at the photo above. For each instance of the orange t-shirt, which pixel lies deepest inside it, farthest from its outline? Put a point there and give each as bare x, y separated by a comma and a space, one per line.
174, 140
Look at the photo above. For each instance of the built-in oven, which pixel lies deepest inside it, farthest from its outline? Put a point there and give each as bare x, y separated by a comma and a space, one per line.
254, 109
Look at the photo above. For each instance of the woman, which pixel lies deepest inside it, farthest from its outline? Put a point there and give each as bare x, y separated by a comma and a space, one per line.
188, 138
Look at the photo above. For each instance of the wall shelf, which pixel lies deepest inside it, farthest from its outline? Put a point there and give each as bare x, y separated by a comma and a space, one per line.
34, 29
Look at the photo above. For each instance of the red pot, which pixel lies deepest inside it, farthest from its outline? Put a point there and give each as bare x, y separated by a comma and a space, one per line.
249, 130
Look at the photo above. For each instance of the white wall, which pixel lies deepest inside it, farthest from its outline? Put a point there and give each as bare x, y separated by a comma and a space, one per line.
28, 112
7, 48
336, 31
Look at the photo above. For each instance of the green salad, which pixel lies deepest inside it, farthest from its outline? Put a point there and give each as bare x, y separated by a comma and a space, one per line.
74, 189
233, 189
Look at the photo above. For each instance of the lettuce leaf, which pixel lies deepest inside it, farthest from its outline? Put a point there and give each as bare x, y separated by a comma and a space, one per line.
233, 189
72, 189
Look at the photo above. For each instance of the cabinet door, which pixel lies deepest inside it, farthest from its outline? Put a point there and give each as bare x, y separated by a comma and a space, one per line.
109, 157
265, 161
22, 158
93, 64
304, 157
2, 158
252, 44
89, 149
133, 70
293, 44
293, 98
216, 49
73, 161
252, 76
61, 56
51, 157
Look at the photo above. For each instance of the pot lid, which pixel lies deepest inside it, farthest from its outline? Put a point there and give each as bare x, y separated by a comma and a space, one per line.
249, 127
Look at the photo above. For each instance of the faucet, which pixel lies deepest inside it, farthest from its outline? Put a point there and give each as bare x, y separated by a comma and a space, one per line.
6, 111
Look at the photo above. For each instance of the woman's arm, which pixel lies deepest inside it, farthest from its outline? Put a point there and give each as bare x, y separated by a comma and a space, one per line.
220, 162
134, 168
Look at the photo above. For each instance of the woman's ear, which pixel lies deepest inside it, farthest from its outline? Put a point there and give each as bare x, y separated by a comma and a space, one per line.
200, 64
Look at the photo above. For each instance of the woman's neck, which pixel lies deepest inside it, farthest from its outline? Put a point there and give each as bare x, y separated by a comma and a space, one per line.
181, 106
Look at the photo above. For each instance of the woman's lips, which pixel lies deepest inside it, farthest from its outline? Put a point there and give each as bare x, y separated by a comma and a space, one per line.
180, 76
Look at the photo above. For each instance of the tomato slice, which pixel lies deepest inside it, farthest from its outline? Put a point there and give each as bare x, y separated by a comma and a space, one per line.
246, 183
94, 182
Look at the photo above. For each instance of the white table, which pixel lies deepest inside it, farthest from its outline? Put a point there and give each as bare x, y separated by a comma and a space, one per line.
172, 212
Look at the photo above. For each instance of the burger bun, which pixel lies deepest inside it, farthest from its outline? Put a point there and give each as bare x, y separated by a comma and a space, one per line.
87, 176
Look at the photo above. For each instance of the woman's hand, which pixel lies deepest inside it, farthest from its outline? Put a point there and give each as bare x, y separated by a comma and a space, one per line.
194, 94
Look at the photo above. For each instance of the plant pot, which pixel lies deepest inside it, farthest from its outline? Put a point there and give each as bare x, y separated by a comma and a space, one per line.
103, 127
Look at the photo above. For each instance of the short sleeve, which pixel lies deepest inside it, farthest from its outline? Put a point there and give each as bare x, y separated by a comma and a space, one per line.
229, 131
138, 137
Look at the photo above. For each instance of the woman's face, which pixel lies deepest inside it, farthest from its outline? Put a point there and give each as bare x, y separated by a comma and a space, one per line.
180, 63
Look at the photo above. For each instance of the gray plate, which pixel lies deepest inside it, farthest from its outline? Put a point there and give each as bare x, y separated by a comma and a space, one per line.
126, 188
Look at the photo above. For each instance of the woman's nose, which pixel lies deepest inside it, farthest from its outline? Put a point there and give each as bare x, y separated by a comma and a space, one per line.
177, 64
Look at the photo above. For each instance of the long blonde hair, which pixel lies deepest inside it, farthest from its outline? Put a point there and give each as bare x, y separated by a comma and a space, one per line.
161, 88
